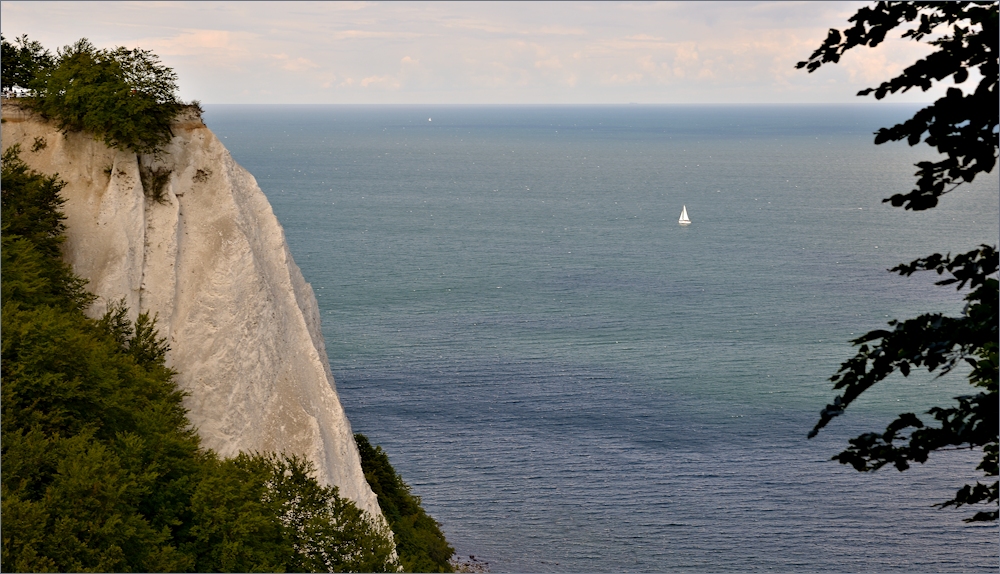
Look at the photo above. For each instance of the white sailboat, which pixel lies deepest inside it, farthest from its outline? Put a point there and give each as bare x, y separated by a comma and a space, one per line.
684, 217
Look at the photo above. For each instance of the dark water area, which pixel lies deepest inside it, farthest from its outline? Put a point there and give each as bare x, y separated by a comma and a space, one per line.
572, 381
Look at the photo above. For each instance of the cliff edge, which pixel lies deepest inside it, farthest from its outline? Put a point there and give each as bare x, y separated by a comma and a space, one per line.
189, 236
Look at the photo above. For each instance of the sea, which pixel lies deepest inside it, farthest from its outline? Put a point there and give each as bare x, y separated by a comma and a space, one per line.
571, 381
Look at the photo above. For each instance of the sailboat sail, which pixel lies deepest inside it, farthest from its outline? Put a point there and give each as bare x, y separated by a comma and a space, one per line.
684, 216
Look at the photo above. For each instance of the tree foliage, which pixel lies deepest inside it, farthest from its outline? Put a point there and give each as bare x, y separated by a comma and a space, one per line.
102, 471
125, 98
98, 456
267, 513
932, 341
32, 227
22, 62
419, 541
963, 127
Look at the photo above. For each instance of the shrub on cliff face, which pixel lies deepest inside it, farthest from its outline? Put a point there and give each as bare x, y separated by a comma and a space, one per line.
101, 468
419, 541
32, 223
125, 98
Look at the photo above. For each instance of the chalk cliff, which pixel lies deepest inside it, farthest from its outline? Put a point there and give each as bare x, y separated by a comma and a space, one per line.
210, 260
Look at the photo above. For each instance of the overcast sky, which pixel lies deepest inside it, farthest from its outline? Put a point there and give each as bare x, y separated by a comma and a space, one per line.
480, 52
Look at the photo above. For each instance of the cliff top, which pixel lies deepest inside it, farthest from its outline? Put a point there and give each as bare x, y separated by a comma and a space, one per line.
15, 110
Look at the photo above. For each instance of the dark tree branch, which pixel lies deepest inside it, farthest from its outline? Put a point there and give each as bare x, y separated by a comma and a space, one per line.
961, 126
934, 342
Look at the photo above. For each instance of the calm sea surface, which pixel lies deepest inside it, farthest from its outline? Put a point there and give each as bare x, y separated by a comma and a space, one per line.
572, 381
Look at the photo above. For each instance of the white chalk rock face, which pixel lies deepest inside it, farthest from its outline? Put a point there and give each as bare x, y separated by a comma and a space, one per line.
211, 261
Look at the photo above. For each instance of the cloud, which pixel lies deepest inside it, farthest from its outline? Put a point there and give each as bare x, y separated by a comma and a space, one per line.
381, 82
475, 24
624, 78
882, 64
645, 38
499, 52
294, 64
560, 31
194, 42
351, 5
551, 63
374, 34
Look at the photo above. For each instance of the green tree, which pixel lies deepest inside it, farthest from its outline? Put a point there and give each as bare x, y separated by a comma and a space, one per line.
97, 452
102, 470
22, 61
963, 127
126, 98
419, 541
32, 227
267, 513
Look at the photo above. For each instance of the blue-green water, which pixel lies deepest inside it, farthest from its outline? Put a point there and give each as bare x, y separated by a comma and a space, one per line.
572, 381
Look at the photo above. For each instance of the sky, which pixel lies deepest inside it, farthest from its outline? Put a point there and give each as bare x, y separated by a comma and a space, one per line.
482, 52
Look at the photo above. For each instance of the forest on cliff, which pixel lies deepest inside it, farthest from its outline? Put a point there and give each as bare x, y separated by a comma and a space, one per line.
102, 470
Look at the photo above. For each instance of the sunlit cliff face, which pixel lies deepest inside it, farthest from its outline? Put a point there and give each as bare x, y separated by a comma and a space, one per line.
209, 259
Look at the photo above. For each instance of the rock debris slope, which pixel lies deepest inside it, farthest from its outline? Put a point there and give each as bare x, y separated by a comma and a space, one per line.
210, 260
